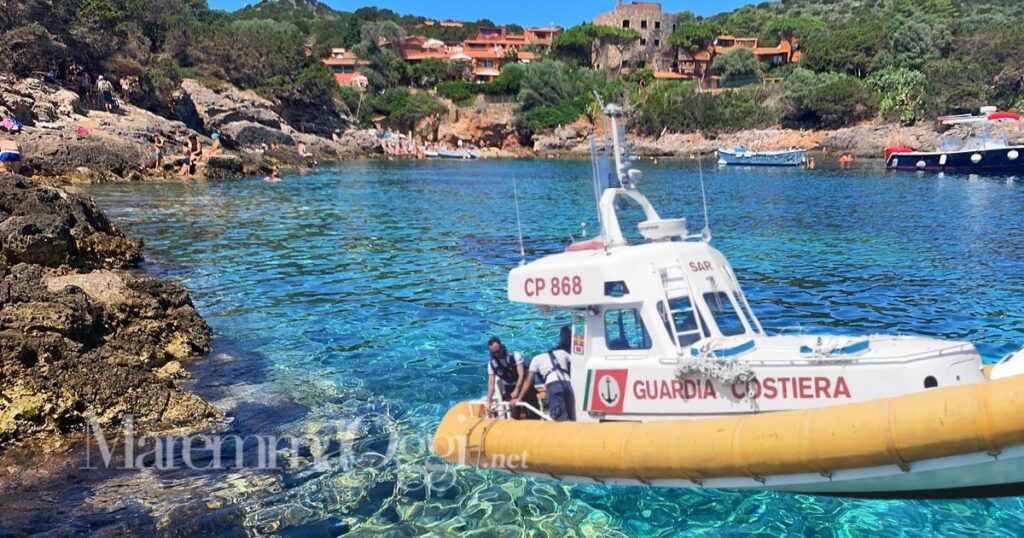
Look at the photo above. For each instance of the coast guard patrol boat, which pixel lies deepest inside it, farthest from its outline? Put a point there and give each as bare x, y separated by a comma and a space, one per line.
677, 384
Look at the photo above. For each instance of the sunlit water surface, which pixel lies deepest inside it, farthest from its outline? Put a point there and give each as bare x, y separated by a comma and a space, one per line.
369, 289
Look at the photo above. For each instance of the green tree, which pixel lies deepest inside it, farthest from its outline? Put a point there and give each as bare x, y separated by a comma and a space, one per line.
900, 91
915, 42
746, 21
693, 36
850, 49
580, 45
737, 67
430, 71
827, 100
792, 27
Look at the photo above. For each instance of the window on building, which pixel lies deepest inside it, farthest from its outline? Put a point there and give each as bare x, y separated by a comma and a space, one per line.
726, 317
777, 59
643, 25
349, 69
643, 42
657, 42
673, 28
337, 69
657, 25
486, 63
625, 23
624, 330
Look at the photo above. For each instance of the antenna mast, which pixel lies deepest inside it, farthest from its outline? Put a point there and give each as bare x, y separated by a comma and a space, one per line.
519, 223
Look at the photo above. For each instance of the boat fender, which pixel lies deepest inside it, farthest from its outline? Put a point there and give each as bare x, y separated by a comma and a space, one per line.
920, 165
895, 162
976, 158
942, 160
1012, 155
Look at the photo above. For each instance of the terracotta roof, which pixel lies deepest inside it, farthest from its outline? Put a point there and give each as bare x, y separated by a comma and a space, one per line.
668, 75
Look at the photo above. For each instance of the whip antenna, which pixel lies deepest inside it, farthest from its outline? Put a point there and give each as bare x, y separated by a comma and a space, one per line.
706, 232
519, 224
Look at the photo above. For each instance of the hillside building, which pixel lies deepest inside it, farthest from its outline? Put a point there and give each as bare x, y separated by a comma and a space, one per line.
344, 65
654, 26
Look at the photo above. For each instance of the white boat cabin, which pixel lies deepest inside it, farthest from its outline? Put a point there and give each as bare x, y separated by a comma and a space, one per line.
662, 330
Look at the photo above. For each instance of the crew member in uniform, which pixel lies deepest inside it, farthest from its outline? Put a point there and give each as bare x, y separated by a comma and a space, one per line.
553, 368
507, 371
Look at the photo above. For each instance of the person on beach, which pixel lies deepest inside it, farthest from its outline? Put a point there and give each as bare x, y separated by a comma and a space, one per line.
10, 156
194, 151
507, 373
158, 152
553, 368
106, 90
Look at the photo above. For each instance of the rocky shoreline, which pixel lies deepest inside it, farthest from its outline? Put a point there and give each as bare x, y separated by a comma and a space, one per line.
83, 337
64, 141
868, 140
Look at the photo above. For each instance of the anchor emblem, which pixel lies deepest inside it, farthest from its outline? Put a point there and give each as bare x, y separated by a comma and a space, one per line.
608, 389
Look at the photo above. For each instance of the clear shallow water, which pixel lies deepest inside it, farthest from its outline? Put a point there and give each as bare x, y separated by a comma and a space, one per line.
371, 287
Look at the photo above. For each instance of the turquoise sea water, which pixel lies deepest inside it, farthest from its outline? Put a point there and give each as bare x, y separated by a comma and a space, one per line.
370, 288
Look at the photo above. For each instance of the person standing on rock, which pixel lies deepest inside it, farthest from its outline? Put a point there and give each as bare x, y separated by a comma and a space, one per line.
194, 151
10, 156
158, 152
126, 89
106, 90
83, 86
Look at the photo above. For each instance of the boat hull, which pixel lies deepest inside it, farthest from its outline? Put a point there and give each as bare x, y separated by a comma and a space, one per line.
1009, 160
968, 438
456, 154
772, 158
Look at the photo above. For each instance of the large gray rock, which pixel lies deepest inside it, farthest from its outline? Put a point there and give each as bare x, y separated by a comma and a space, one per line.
54, 227
212, 110
33, 101
251, 134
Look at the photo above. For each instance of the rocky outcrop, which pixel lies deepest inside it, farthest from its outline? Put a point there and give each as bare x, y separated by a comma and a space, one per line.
210, 110
32, 101
485, 124
64, 142
80, 336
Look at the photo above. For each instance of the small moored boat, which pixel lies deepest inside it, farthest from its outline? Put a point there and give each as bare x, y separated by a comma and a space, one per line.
457, 154
980, 152
743, 156
677, 384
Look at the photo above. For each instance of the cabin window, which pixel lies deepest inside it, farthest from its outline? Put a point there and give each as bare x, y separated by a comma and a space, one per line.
616, 289
725, 314
683, 320
624, 330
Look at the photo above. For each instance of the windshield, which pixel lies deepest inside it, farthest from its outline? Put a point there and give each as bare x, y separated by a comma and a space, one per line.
726, 317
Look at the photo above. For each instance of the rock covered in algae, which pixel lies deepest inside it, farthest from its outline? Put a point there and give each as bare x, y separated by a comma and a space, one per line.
80, 334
